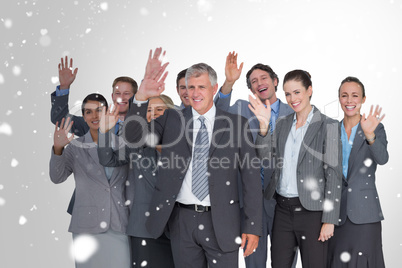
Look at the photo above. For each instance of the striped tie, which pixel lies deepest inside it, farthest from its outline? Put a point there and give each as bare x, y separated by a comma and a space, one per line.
200, 156
119, 128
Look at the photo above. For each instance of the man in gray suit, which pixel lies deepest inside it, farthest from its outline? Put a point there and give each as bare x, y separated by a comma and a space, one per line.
262, 81
204, 229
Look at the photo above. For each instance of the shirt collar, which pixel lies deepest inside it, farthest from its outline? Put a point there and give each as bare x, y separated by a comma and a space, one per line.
309, 117
209, 116
275, 106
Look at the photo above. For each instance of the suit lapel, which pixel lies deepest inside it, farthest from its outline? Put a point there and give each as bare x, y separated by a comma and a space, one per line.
357, 144
312, 131
93, 152
285, 126
219, 124
188, 127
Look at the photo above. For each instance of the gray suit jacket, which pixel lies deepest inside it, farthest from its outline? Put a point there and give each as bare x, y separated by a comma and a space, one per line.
360, 201
241, 108
143, 171
319, 167
100, 204
230, 144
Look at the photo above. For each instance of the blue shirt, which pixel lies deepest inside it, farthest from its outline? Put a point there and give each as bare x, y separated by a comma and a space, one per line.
347, 147
287, 185
62, 92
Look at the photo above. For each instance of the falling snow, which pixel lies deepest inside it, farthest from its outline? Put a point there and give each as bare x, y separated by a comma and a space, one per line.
14, 162
6, 129
345, 257
104, 6
328, 205
8, 23
83, 247
22, 220
368, 162
16, 70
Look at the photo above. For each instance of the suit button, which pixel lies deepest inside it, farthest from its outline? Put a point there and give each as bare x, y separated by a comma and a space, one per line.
107, 190
174, 196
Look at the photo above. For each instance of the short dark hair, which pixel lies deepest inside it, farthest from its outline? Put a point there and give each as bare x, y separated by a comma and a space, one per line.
134, 85
180, 75
352, 79
265, 68
93, 97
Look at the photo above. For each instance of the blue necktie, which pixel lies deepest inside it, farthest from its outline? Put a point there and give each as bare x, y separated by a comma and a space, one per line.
119, 127
200, 157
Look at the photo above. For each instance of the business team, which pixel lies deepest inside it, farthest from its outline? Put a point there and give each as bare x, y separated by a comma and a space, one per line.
188, 186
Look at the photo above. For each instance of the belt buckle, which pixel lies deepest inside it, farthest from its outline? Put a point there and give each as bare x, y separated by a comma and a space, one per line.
199, 208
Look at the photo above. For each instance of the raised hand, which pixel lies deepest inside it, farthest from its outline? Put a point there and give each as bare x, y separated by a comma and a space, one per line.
108, 118
370, 123
232, 72
60, 137
154, 63
153, 83
66, 73
261, 111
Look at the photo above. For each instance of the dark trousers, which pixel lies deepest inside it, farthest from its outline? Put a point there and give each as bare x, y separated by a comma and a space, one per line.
194, 243
259, 258
151, 253
294, 226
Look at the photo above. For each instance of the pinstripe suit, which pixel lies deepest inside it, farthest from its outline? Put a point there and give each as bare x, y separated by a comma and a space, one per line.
319, 169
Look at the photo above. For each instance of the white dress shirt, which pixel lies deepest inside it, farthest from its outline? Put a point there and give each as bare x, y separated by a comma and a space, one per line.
186, 195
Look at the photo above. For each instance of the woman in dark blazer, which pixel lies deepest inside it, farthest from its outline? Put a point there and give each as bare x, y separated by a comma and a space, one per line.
145, 251
357, 241
100, 213
306, 150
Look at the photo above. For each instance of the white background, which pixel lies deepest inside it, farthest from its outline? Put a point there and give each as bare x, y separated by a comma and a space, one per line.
330, 39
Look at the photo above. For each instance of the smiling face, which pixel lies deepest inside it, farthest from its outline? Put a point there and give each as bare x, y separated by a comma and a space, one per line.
351, 98
91, 113
297, 96
122, 92
201, 93
262, 85
156, 108
182, 91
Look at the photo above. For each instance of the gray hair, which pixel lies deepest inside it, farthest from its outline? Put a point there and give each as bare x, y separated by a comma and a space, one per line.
199, 69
